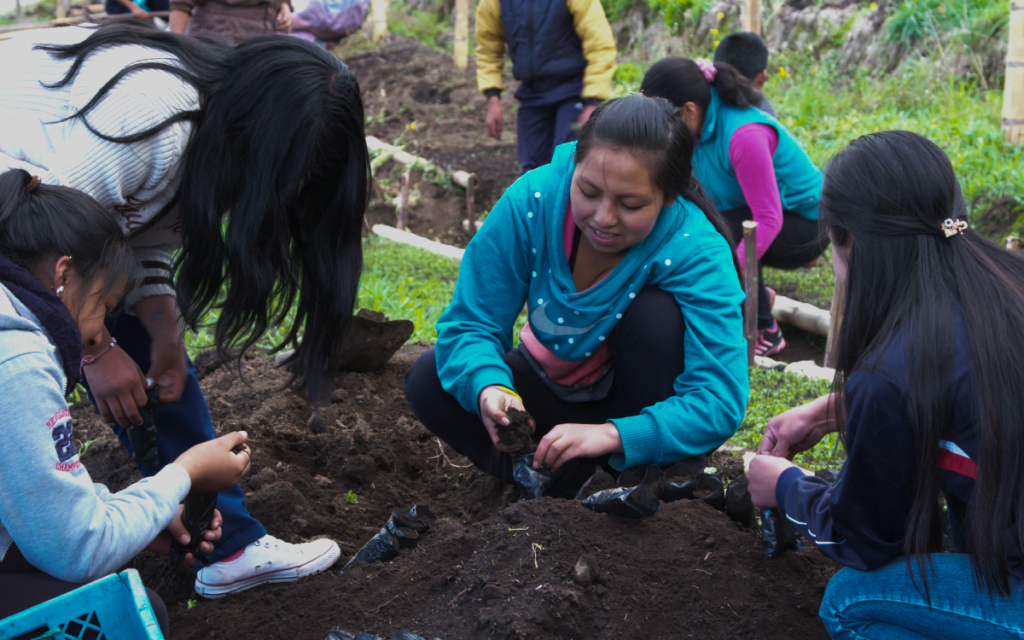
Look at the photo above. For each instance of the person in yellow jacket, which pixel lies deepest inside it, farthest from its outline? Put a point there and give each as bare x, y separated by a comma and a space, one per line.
563, 54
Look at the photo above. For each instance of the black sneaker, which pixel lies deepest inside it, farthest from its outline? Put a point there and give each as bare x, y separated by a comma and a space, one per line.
770, 341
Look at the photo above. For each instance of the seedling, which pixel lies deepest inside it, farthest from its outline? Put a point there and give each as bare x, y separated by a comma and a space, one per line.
351, 498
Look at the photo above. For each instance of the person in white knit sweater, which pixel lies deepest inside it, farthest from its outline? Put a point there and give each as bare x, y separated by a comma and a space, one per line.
63, 265
250, 162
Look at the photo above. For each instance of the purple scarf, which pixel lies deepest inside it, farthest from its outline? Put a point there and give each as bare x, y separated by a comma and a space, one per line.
52, 314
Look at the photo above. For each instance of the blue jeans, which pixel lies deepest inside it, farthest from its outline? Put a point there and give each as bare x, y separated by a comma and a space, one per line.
885, 604
539, 129
181, 426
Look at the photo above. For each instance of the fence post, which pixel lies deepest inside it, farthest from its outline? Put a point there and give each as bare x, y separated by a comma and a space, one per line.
17, 10
750, 16
380, 19
1013, 93
461, 34
750, 286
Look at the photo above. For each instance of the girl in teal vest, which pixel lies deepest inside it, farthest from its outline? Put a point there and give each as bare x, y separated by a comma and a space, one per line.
634, 349
751, 167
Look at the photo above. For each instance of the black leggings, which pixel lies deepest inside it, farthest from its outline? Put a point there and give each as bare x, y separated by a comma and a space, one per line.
22, 586
799, 241
646, 347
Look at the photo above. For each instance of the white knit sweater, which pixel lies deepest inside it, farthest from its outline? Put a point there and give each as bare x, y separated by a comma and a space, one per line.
137, 180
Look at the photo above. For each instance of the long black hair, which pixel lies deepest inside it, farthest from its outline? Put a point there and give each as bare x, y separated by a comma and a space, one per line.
887, 196
278, 147
652, 129
40, 225
680, 80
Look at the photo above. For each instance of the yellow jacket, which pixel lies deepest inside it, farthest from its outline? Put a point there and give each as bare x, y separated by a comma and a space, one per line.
591, 26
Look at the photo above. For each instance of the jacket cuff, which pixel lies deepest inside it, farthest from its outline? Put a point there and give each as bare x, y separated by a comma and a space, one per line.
640, 442
480, 380
492, 93
785, 481
177, 478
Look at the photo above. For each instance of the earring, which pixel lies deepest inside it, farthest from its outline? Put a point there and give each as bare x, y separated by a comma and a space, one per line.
60, 291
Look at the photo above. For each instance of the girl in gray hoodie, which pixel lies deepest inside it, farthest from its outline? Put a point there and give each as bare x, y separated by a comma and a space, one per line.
64, 265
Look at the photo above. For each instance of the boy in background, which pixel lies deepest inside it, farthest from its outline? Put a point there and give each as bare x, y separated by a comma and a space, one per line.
563, 54
747, 52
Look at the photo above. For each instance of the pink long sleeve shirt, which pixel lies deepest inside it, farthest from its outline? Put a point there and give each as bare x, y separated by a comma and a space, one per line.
750, 152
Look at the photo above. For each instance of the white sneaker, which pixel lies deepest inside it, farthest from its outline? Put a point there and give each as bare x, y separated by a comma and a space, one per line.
266, 560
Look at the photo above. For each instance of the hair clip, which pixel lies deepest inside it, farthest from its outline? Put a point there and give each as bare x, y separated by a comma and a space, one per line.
952, 227
32, 184
708, 68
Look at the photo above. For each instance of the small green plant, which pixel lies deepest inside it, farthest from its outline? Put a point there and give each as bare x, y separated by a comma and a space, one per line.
191, 603
84, 448
351, 498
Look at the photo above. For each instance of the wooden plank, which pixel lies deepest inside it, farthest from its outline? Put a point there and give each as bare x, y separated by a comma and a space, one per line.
461, 34
750, 16
380, 19
750, 286
1013, 92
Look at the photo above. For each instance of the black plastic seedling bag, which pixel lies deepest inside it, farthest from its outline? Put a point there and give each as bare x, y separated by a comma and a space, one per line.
677, 483
407, 520
738, 504
197, 518
143, 436
627, 479
709, 488
625, 502
423, 513
654, 478
380, 548
778, 533
531, 482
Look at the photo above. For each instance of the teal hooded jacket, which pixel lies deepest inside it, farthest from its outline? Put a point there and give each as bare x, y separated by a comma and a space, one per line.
518, 257
798, 179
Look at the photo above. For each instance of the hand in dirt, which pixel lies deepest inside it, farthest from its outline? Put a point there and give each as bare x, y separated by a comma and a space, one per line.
493, 404
762, 476
118, 386
585, 115
495, 118
284, 18
162, 543
797, 430
569, 441
214, 465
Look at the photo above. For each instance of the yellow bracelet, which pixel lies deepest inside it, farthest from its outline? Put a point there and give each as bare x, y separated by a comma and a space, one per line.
508, 391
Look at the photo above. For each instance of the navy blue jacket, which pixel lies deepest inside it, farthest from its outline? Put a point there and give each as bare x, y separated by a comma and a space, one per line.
861, 521
542, 40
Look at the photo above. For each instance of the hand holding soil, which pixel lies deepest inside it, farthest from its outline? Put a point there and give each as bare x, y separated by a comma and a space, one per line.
762, 477
216, 465
568, 441
494, 403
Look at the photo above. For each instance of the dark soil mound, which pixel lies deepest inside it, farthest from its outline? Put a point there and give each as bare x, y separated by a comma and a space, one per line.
416, 97
485, 569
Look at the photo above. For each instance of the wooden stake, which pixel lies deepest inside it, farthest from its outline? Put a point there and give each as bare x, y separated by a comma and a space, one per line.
380, 20
750, 286
469, 182
750, 18
1013, 93
802, 315
62, 10
17, 10
838, 306
461, 34
403, 200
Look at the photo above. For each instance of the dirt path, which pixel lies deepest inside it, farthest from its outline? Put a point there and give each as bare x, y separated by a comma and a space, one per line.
686, 572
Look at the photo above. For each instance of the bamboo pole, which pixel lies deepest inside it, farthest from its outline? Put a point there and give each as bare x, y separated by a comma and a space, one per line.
1013, 92
62, 9
403, 200
802, 315
396, 154
461, 34
750, 17
750, 286
17, 10
836, 317
380, 19
469, 182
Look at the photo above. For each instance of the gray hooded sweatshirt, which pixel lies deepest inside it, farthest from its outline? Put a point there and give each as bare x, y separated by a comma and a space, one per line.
63, 524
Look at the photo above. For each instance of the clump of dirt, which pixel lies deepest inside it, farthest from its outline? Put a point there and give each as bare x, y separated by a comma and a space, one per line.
416, 98
370, 339
517, 435
490, 566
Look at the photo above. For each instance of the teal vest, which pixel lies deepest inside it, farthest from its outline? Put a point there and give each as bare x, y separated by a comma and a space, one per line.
799, 180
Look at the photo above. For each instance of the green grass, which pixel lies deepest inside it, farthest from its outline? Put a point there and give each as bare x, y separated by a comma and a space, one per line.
813, 286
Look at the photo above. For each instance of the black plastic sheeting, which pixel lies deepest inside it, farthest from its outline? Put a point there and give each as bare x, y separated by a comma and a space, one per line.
531, 482
402, 530
778, 533
143, 436
197, 518
625, 502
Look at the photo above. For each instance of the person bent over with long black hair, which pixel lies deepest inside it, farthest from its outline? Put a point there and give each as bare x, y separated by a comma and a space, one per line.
249, 162
634, 349
928, 387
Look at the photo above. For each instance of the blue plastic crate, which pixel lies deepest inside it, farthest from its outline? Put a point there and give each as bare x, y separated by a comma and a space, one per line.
113, 608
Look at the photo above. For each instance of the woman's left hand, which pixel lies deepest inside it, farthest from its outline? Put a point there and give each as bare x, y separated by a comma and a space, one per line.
176, 529
568, 441
762, 476
169, 368
284, 18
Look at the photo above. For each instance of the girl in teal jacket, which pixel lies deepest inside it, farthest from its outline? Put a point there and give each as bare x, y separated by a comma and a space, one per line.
634, 350
751, 167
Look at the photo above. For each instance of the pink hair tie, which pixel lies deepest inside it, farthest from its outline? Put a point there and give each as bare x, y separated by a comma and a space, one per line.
708, 68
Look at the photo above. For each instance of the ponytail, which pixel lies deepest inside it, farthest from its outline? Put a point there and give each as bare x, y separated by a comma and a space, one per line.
681, 80
652, 127
41, 222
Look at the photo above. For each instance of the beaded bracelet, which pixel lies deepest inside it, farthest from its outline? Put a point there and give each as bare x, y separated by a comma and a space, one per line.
91, 359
